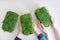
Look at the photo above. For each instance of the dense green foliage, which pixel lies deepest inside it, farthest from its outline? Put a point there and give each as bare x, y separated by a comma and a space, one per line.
43, 16
27, 24
10, 21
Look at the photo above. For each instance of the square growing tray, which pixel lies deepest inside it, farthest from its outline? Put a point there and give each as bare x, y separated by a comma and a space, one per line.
27, 24
43, 16
10, 21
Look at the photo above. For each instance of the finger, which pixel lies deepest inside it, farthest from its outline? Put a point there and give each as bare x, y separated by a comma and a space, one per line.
42, 26
52, 19
34, 26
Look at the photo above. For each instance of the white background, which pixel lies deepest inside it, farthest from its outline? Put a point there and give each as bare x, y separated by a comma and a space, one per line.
25, 6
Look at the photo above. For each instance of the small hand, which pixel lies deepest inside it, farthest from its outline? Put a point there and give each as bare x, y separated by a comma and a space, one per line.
36, 29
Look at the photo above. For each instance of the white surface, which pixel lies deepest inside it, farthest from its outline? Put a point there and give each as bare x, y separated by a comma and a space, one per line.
24, 6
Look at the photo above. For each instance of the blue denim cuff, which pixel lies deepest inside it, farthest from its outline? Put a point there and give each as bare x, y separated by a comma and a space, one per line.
17, 38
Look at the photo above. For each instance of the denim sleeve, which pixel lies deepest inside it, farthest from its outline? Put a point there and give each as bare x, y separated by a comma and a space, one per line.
42, 37
17, 38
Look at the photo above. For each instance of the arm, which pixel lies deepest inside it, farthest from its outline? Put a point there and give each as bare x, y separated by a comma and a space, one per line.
57, 36
20, 30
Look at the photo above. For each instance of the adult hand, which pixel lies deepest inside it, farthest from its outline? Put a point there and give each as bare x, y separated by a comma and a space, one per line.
57, 36
53, 22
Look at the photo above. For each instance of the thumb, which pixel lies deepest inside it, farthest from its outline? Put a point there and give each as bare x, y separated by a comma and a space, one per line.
52, 19
42, 26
